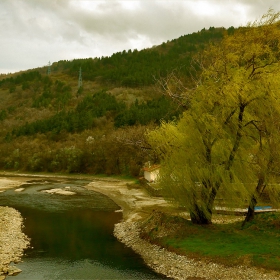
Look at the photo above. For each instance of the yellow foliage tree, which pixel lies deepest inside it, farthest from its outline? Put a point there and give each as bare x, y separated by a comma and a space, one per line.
224, 139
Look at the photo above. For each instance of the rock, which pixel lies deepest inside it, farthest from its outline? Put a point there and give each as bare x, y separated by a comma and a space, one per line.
12, 271
5, 270
19, 189
59, 191
63, 192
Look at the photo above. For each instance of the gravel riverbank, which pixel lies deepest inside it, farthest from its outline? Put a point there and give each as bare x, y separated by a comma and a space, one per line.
12, 241
181, 267
137, 205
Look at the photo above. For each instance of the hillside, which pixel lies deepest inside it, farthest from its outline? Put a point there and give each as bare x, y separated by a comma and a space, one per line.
49, 124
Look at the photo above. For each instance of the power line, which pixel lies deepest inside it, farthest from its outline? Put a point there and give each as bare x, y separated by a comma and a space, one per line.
49, 68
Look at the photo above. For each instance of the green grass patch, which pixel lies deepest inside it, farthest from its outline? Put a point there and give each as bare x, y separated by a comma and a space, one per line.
257, 244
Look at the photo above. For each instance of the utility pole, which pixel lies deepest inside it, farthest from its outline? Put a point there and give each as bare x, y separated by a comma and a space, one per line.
49, 68
80, 82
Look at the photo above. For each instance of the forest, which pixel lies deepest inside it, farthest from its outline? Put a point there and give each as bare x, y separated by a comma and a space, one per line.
49, 124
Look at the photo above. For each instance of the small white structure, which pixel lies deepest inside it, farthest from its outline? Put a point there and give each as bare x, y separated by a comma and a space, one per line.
151, 173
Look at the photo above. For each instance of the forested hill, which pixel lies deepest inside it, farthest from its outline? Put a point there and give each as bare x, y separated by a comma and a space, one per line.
135, 68
49, 124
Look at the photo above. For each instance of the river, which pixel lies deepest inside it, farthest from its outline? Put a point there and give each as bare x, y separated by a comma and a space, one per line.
72, 236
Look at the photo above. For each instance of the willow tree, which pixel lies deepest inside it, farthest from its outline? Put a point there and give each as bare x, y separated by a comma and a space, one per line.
211, 151
265, 160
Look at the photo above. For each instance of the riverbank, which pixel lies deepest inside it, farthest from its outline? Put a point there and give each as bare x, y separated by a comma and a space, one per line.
181, 267
137, 205
12, 241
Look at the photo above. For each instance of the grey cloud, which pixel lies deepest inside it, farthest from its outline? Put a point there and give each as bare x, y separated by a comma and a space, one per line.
43, 30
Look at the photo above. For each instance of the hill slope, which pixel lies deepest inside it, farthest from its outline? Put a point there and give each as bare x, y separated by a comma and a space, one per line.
49, 124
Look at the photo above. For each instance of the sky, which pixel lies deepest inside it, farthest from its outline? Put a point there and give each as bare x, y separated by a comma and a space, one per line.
34, 32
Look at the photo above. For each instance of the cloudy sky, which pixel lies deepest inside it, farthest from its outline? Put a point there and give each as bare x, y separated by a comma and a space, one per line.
34, 32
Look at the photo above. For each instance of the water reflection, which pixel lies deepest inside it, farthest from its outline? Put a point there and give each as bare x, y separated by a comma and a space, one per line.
71, 234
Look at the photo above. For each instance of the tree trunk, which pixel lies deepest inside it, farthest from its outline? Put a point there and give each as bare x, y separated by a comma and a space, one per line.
253, 202
199, 216
202, 215
237, 138
212, 197
251, 210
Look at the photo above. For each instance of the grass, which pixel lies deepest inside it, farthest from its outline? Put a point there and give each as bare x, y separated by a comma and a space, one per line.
256, 244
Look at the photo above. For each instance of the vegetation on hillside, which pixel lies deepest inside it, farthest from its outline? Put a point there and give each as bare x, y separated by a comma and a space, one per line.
49, 124
135, 68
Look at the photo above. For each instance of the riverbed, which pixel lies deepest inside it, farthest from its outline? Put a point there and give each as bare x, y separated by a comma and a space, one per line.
72, 235
133, 205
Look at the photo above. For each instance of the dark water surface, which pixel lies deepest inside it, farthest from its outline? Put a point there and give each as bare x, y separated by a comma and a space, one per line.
72, 236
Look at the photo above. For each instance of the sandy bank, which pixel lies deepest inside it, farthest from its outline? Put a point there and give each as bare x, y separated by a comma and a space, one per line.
6, 183
134, 201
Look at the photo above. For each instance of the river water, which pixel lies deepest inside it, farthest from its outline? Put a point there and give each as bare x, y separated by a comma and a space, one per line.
72, 236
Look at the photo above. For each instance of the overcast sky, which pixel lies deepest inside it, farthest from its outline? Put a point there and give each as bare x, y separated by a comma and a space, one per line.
34, 32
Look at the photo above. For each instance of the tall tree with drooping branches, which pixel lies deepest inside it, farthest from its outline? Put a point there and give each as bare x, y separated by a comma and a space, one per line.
212, 150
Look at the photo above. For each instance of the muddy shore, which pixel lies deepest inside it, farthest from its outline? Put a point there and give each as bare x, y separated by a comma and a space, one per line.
136, 205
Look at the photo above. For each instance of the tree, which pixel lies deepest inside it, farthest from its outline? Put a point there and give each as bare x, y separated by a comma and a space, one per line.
265, 160
209, 152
